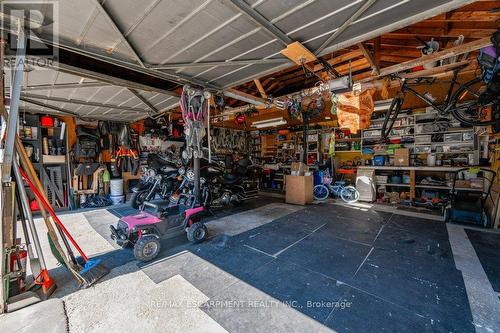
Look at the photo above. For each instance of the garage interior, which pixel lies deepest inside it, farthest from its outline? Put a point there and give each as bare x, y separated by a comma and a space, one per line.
250, 166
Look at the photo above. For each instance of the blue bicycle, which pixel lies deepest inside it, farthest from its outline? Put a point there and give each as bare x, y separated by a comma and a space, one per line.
348, 193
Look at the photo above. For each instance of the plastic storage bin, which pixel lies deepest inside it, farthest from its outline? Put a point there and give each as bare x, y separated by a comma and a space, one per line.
379, 160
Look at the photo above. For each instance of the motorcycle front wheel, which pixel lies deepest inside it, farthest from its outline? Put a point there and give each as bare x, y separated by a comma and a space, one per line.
137, 199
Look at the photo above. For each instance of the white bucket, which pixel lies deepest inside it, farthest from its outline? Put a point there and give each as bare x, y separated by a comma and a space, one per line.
116, 186
117, 199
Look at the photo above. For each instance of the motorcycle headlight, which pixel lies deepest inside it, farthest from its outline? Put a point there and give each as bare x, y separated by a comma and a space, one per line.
181, 171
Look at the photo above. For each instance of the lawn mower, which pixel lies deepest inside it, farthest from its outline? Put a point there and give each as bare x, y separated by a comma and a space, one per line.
467, 205
144, 230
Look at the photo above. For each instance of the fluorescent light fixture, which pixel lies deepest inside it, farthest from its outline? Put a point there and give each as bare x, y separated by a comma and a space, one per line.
278, 123
269, 122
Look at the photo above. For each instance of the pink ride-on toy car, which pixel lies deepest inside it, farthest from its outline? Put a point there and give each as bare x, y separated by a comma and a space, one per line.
144, 230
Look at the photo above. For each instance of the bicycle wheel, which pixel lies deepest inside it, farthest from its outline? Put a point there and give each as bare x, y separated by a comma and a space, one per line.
349, 194
391, 115
320, 192
466, 107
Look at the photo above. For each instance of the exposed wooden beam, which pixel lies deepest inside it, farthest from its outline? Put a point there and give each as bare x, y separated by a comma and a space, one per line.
447, 53
239, 109
377, 84
432, 32
376, 50
370, 59
356, 65
480, 6
395, 59
446, 27
435, 70
456, 25
469, 16
340, 59
274, 85
411, 53
260, 88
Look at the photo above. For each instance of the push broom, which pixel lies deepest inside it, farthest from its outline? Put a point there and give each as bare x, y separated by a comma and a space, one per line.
93, 269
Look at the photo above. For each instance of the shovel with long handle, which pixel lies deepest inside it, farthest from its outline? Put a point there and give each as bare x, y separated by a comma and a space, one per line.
36, 263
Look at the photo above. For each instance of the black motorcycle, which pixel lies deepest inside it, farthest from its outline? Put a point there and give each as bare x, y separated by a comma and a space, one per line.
160, 178
224, 189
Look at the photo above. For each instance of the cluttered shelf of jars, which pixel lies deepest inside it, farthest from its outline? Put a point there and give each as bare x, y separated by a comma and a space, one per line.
433, 147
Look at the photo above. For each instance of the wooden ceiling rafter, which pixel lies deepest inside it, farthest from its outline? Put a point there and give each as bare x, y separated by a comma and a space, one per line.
396, 50
368, 56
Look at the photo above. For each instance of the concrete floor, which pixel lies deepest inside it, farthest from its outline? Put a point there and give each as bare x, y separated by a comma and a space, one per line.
273, 267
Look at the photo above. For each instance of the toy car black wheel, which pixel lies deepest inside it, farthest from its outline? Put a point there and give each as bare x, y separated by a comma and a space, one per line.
146, 248
197, 232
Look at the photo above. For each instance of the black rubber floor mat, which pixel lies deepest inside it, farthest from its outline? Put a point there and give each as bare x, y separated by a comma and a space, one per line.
487, 245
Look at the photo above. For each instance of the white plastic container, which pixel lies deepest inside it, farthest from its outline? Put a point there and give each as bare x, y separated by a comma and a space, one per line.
117, 199
431, 159
116, 187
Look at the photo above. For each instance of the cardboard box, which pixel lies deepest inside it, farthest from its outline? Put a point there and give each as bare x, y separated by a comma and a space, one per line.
299, 168
299, 189
462, 183
402, 157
